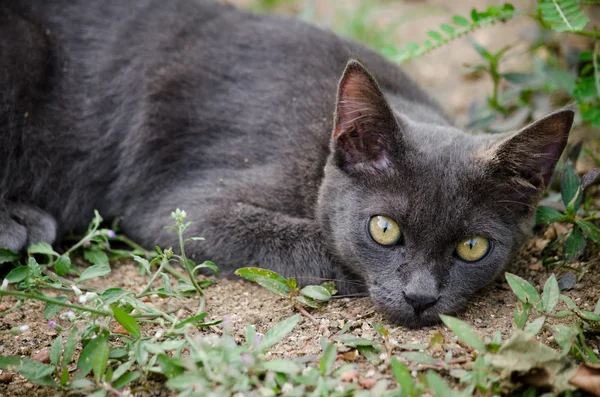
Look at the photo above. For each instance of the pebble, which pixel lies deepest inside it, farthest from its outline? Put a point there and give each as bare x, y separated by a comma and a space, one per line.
367, 383
6, 377
42, 356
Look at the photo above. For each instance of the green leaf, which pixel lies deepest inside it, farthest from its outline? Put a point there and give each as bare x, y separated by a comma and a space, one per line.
191, 320
438, 385
41, 248
485, 54
524, 290
250, 273
570, 188
589, 230
94, 271
144, 264
590, 316
208, 265
551, 294
521, 314
380, 328
420, 358
98, 393
278, 332
81, 384
564, 335
70, 348
464, 332
402, 375
267, 279
34, 268
7, 255
127, 321
547, 215
448, 29
574, 245
87, 357
534, 327
17, 274
520, 78
597, 308
63, 265
51, 308
96, 257
55, 351
34, 371
171, 367
563, 16
125, 379
309, 302
353, 341
328, 360
121, 369
460, 21
435, 36
316, 292
283, 366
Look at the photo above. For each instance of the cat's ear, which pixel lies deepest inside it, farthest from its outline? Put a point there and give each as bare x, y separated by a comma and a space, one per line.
532, 153
365, 133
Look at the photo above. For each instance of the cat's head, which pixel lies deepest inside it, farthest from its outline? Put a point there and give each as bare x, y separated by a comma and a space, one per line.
425, 214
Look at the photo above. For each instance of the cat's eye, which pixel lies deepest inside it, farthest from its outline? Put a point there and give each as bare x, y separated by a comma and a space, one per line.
473, 248
384, 230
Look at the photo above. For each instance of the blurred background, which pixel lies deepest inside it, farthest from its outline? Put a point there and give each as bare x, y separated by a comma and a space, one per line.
494, 67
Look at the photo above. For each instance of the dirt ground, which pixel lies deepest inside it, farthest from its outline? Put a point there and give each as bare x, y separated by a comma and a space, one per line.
443, 75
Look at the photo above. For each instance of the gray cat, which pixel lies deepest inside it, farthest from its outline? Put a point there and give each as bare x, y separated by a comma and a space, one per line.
136, 108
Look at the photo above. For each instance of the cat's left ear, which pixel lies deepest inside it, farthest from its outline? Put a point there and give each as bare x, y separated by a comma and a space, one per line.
366, 133
532, 153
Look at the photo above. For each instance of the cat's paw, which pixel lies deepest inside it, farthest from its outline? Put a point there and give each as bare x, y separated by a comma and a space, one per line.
22, 225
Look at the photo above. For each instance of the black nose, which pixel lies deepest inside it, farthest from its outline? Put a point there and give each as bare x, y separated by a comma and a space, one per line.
420, 302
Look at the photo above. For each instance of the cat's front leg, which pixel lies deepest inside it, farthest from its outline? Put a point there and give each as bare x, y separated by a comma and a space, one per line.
24, 224
239, 234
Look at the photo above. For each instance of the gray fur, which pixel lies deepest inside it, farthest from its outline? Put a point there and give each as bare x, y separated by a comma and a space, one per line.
136, 108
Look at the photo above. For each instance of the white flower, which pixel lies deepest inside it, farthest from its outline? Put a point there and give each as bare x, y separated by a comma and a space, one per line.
24, 328
4, 284
88, 297
76, 290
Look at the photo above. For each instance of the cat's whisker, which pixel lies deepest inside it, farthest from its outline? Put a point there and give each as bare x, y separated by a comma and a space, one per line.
516, 202
357, 295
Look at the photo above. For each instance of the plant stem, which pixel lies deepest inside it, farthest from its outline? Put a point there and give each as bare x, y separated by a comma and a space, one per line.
46, 299
154, 276
186, 265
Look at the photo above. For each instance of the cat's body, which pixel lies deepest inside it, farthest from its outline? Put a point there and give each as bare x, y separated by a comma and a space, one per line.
136, 108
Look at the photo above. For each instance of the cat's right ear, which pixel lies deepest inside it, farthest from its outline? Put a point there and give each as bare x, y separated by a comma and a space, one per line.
531, 154
365, 133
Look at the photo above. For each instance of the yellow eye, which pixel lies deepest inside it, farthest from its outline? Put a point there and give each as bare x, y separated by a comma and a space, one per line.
473, 248
384, 230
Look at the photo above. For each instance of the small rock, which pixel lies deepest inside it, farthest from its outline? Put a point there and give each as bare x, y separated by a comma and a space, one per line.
567, 281
351, 355
3, 308
118, 329
367, 383
42, 356
6, 377
348, 376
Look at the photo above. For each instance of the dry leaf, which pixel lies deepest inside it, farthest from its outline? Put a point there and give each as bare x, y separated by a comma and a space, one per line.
587, 378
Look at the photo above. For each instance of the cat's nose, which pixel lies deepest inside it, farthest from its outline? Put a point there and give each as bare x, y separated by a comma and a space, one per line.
420, 302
